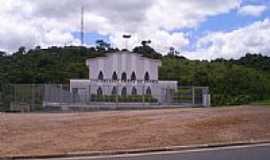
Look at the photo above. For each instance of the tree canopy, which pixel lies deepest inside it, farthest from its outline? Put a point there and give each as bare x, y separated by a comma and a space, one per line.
146, 50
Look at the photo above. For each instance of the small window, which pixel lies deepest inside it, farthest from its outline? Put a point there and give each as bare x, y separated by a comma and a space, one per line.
124, 91
100, 76
114, 76
148, 91
114, 91
133, 76
124, 76
146, 76
134, 91
99, 91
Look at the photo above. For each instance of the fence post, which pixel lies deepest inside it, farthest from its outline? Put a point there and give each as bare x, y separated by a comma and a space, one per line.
33, 97
2, 97
61, 91
143, 100
15, 96
117, 94
193, 95
89, 95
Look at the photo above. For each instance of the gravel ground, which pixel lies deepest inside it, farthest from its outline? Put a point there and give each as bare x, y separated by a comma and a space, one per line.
58, 133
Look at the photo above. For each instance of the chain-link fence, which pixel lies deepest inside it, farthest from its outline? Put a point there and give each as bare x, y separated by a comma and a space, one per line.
58, 97
22, 97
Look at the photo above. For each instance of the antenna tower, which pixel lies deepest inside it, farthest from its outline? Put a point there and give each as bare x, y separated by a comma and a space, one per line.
82, 26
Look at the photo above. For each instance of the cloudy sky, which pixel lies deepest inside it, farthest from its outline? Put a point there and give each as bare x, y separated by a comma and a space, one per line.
199, 29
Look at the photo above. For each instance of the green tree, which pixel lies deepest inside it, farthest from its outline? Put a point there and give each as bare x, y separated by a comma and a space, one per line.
21, 50
2, 53
102, 46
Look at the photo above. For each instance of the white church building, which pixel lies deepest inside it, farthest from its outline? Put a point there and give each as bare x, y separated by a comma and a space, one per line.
122, 73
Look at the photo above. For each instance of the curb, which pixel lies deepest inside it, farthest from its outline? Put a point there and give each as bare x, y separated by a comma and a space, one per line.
137, 151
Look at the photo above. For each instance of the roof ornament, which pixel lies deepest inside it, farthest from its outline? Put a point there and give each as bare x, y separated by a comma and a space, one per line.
126, 37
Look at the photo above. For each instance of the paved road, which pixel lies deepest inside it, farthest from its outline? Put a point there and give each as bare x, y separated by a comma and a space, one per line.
252, 152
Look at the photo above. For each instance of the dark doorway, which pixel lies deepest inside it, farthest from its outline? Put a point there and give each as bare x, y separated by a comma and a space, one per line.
114, 76
124, 76
114, 91
124, 91
99, 91
148, 91
134, 91
133, 76
100, 76
146, 76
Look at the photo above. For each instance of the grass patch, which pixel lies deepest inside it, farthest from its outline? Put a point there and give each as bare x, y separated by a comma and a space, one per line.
262, 102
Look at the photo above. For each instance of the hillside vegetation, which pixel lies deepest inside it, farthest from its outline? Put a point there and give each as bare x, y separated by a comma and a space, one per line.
231, 81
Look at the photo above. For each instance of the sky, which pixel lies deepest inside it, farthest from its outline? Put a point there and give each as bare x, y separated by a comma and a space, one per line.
198, 29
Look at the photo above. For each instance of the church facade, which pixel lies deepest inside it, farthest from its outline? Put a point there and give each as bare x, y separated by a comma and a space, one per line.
122, 73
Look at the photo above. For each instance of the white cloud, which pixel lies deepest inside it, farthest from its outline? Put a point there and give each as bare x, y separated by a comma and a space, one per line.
16, 32
173, 14
253, 39
50, 22
162, 17
160, 40
252, 10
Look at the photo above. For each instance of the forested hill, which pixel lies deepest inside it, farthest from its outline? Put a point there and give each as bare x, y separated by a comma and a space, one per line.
230, 81
256, 61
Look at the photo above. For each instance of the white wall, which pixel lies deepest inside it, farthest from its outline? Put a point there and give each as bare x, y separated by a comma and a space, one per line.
123, 62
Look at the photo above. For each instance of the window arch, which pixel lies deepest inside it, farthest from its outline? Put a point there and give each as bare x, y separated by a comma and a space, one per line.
100, 76
148, 91
134, 91
114, 91
124, 91
99, 91
124, 76
114, 76
146, 76
133, 76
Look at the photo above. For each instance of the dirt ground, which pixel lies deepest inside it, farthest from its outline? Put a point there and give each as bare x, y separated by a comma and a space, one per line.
57, 133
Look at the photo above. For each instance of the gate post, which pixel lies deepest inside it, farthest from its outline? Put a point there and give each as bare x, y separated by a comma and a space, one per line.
193, 95
143, 95
61, 92
33, 98
15, 95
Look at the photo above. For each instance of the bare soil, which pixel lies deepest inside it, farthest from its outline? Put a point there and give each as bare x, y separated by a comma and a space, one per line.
58, 133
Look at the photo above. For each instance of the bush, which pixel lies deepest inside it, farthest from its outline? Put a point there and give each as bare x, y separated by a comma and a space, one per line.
129, 98
218, 100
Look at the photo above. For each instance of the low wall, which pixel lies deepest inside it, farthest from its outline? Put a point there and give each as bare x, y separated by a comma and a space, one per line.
54, 107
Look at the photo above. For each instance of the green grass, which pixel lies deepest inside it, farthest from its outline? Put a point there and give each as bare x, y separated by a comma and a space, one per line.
262, 102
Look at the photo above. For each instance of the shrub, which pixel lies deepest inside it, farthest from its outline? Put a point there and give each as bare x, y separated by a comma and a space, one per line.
217, 100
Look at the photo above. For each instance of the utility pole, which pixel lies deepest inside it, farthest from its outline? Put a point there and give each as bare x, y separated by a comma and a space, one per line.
82, 26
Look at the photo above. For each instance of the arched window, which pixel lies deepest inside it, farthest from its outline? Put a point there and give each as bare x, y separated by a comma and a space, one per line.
146, 76
124, 91
114, 91
133, 76
134, 91
99, 91
148, 91
124, 76
100, 76
114, 76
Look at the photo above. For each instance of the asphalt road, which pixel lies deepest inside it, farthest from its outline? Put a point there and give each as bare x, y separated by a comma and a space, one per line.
252, 152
